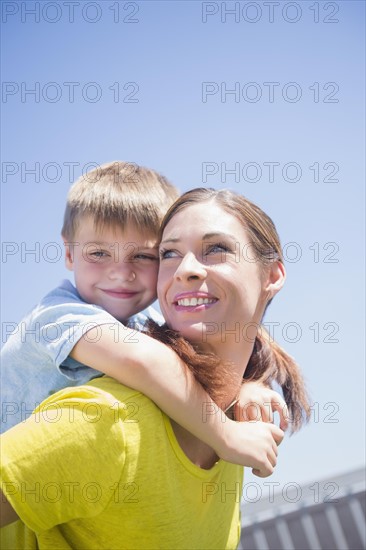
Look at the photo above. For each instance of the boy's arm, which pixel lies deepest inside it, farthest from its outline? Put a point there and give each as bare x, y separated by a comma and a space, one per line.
142, 363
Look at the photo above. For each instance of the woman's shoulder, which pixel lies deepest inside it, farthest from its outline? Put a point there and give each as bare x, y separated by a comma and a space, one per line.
102, 397
102, 390
108, 389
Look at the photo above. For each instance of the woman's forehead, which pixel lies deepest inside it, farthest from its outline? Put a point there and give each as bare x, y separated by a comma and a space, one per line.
204, 218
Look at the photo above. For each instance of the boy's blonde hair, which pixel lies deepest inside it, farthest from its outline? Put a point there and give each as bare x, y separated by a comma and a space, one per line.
116, 194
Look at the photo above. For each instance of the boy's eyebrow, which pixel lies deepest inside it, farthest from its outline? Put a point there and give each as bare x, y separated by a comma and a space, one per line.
96, 242
105, 243
153, 249
206, 236
126, 245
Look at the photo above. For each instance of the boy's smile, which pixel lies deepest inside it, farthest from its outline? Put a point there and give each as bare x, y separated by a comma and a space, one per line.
114, 269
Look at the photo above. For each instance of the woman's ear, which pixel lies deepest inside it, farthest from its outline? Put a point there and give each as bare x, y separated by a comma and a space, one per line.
275, 278
69, 261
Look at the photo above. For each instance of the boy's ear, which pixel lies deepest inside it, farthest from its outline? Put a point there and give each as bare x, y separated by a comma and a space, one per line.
275, 279
69, 261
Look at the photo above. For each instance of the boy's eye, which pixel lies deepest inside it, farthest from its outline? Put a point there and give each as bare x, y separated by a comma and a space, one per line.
148, 257
98, 254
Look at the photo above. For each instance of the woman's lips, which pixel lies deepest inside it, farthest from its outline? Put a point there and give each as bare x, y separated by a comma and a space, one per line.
196, 301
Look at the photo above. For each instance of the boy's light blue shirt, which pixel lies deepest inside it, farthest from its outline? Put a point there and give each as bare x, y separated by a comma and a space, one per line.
35, 360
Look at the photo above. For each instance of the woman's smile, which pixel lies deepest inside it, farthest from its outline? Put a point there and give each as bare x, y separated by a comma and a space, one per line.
194, 301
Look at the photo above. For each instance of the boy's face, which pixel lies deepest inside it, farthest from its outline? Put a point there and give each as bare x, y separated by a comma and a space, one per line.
114, 269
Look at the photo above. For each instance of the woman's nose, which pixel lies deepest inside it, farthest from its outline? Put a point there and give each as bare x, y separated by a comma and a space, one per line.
190, 268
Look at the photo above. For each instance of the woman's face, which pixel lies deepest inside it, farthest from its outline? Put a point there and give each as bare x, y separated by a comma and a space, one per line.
210, 287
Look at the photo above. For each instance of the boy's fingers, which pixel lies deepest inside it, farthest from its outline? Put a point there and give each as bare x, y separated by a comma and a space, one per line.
267, 413
273, 458
250, 412
240, 413
282, 410
255, 412
264, 412
277, 434
265, 471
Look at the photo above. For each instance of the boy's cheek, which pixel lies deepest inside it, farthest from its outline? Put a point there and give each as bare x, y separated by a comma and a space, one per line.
152, 277
148, 299
153, 292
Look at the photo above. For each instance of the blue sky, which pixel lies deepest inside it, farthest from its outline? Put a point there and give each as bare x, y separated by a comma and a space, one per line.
150, 82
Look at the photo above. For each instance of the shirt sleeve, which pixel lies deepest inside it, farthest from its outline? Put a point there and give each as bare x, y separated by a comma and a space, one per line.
59, 322
63, 462
140, 320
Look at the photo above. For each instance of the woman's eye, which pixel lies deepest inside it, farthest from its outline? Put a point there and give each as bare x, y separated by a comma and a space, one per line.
217, 248
165, 254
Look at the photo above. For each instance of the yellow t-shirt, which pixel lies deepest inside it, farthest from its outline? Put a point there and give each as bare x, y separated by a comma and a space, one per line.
98, 466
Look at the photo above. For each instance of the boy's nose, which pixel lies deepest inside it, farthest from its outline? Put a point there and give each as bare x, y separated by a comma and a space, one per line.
122, 272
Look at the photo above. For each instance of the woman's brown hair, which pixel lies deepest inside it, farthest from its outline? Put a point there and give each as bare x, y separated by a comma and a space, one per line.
268, 362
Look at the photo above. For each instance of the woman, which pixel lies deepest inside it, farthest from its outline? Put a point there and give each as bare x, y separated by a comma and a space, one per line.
101, 466
246, 265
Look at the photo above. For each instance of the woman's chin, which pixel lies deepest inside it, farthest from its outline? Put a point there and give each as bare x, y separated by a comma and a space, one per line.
198, 333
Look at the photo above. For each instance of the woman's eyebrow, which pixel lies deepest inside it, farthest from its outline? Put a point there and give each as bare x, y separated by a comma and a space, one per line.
218, 234
206, 236
170, 241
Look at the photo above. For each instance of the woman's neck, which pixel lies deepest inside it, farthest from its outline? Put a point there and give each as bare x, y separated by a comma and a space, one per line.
238, 357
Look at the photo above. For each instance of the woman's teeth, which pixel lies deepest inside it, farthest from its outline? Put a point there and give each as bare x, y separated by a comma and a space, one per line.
195, 301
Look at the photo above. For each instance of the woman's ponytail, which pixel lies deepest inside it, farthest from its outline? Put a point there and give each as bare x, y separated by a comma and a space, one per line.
270, 363
210, 371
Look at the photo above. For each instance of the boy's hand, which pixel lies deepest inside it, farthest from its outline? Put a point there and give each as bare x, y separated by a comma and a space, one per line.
259, 402
252, 444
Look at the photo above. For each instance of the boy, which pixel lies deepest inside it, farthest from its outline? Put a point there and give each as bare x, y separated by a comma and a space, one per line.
110, 233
